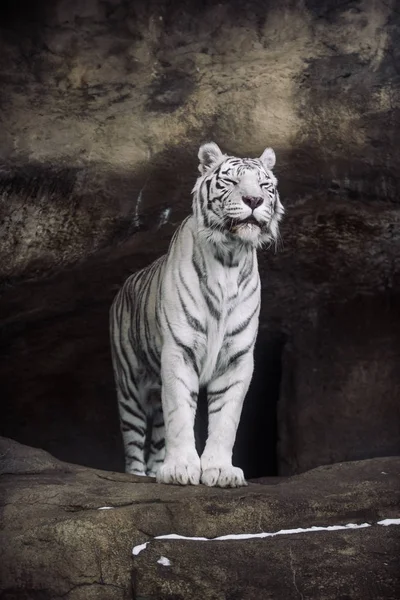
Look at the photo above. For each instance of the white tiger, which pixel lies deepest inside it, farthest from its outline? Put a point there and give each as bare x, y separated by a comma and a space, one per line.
190, 320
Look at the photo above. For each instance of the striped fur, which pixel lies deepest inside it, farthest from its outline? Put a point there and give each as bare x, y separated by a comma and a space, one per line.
190, 320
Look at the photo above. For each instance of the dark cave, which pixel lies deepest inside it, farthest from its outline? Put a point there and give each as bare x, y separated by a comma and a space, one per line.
255, 450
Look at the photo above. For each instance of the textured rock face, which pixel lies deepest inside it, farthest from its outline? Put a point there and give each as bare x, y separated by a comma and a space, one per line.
59, 540
103, 105
101, 99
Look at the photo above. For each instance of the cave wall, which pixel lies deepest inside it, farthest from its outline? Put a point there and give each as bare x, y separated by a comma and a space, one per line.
102, 99
103, 105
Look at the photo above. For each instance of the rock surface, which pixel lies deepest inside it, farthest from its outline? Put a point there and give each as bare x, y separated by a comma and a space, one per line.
103, 105
59, 540
105, 102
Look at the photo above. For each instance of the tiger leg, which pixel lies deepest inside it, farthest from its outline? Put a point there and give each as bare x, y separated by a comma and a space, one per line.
130, 390
225, 394
157, 443
179, 393
133, 427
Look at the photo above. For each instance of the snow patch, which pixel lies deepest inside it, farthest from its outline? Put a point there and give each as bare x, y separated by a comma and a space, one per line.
137, 549
105, 507
247, 536
387, 522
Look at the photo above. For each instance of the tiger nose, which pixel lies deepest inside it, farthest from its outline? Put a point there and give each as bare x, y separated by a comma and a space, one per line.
252, 201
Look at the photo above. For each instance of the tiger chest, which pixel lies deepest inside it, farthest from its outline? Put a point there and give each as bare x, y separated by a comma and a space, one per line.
222, 300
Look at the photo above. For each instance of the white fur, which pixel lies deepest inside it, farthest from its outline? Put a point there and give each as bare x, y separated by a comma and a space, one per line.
182, 463
211, 267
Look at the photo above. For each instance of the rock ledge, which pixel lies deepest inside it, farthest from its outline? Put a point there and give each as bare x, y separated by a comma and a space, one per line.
68, 532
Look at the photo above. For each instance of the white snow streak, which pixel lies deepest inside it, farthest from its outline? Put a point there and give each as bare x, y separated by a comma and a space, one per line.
248, 536
387, 522
105, 507
163, 560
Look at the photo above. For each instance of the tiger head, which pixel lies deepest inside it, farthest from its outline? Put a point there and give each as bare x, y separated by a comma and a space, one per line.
236, 199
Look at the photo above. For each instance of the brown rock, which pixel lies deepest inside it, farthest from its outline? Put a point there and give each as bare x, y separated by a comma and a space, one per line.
55, 542
89, 125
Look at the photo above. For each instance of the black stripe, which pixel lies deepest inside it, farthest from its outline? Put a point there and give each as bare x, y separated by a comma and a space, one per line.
204, 279
193, 322
188, 351
189, 293
240, 353
197, 267
206, 291
126, 426
215, 410
150, 355
252, 291
137, 444
240, 328
156, 358
205, 216
197, 252
213, 311
158, 302
219, 256
242, 270
134, 459
222, 391
245, 271
145, 350
210, 292
121, 347
158, 445
232, 298
228, 260
207, 184
129, 409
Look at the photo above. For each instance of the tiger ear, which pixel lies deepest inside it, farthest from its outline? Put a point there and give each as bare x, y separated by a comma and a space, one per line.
209, 155
268, 158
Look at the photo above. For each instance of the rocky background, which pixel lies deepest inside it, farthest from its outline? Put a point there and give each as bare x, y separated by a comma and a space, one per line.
103, 104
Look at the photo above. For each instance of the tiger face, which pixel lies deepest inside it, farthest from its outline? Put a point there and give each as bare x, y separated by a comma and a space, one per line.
236, 199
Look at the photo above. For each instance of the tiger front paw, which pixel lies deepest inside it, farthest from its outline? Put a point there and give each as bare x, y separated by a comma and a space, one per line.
223, 476
182, 472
